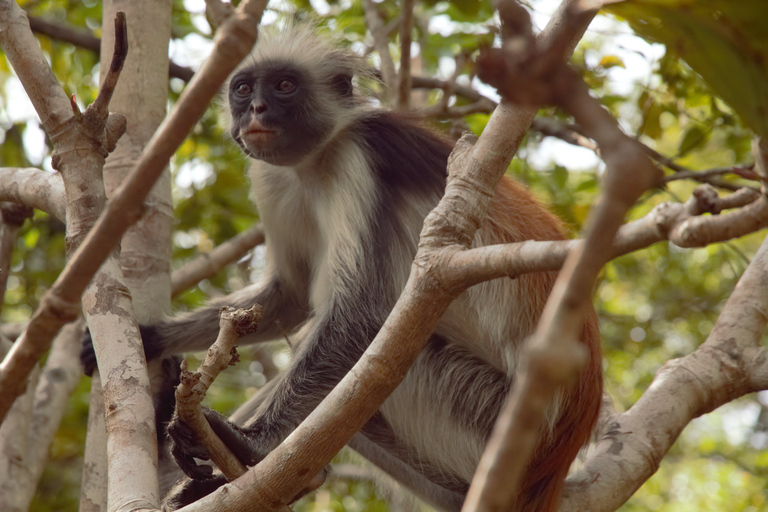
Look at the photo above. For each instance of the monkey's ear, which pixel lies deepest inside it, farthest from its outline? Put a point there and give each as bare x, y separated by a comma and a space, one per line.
342, 84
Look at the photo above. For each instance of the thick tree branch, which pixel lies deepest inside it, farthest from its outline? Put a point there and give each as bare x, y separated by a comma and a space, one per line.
728, 365
33, 187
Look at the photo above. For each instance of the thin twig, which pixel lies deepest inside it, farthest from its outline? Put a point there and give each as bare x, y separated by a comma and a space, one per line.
233, 324
404, 75
381, 44
208, 264
101, 104
90, 42
13, 216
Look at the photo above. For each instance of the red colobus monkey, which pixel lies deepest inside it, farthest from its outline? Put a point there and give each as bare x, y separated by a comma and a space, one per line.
343, 189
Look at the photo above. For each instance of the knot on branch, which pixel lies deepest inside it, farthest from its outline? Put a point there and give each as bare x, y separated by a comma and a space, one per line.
59, 307
115, 128
705, 200
666, 216
244, 321
461, 152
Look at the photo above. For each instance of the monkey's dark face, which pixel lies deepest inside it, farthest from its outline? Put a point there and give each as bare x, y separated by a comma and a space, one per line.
277, 114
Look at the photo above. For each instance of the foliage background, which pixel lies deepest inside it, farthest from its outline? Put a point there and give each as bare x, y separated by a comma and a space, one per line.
654, 305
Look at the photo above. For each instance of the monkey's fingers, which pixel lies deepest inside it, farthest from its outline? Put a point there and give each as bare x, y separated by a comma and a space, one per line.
185, 450
187, 463
87, 355
188, 491
237, 440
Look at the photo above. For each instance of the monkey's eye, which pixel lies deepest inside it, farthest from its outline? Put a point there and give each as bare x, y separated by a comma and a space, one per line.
243, 89
285, 86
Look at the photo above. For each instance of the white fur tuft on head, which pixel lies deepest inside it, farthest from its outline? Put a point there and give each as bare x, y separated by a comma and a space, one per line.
304, 46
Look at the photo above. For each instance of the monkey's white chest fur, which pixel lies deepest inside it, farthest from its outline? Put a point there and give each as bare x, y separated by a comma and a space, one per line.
315, 224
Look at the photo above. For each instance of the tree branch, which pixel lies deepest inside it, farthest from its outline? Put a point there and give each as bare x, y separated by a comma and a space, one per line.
60, 375
208, 264
89, 42
667, 221
404, 75
728, 365
13, 217
381, 44
39, 189
233, 324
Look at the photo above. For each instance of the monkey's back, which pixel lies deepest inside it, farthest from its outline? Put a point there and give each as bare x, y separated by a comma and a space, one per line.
488, 322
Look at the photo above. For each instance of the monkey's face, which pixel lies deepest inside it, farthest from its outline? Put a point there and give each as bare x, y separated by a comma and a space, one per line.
276, 114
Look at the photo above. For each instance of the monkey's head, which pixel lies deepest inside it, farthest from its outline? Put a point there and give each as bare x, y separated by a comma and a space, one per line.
291, 95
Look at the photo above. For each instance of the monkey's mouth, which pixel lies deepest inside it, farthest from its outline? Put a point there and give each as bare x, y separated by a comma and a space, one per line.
258, 136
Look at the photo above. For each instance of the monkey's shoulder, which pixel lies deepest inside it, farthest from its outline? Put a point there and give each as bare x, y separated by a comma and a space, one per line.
403, 152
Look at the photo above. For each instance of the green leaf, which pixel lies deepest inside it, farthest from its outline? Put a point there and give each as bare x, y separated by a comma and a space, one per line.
694, 137
652, 111
725, 41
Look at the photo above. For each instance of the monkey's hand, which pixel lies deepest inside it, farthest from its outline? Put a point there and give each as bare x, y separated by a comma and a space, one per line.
242, 442
188, 491
152, 347
185, 447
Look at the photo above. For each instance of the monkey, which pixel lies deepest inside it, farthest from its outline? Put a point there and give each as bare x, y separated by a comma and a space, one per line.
342, 189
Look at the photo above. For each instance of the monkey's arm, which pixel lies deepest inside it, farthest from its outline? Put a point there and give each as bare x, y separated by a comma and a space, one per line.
284, 309
323, 359
332, 345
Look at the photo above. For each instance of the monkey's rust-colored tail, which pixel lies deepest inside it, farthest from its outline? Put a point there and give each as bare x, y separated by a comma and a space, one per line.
546, 473
515, 216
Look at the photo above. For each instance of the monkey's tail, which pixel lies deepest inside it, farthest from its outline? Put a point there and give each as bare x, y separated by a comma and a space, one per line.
552, 460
